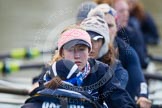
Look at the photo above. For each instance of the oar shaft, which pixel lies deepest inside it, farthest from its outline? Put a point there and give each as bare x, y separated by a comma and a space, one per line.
11, 66
156, 58
153, 76
14, 91
31, 66
3, 56
21, 53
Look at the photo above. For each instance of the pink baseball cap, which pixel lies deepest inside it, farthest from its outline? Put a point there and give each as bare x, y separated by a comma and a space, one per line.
74, 37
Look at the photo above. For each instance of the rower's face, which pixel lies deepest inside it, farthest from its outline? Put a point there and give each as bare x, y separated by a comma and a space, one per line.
110, 20
122, 9
96, 46
78, 54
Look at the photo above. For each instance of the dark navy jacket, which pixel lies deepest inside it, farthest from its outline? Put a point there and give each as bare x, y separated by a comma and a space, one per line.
130, 61
148, 28
103, 86
135, 39
120, 73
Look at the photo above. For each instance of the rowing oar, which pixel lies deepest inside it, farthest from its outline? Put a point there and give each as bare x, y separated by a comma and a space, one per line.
15, 91
21, 53
153, 76
11, 102
12, 66
155, 58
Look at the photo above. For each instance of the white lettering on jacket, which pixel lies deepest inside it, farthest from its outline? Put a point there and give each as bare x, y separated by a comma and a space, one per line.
50, 105
53, 105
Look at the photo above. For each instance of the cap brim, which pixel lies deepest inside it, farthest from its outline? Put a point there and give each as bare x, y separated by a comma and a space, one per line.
97, 37
94, 35
75, 42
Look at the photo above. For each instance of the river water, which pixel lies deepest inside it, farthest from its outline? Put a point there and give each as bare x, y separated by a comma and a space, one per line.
34, 23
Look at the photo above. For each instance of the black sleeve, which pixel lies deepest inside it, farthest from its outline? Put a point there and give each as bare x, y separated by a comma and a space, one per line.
115, 96
111, 91
149, 29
